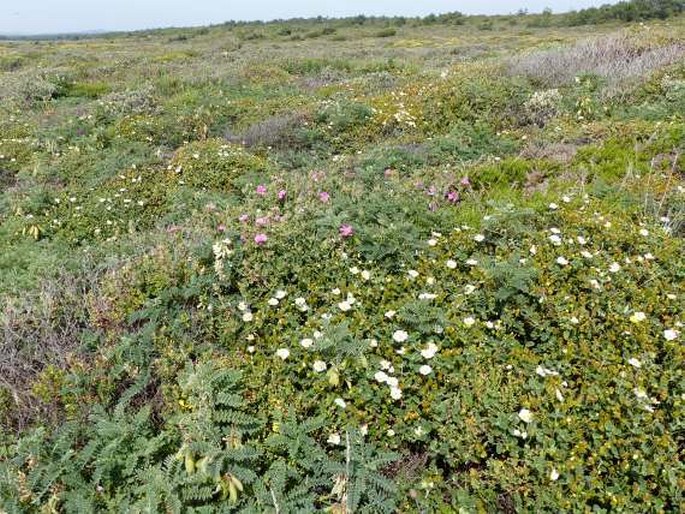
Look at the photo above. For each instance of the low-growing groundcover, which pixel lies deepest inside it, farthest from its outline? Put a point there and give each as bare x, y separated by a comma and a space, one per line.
344, 266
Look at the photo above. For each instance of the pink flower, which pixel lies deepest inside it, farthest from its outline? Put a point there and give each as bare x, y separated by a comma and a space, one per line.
282, 194
324, 196
389, 172
465, 182
452, 196
264, 220
346, 230
244, 218
260, 239
261, 189
221, 228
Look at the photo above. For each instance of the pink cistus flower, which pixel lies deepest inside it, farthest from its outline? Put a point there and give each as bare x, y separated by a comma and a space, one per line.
452, 196
260, 222
324, 196
244, 218
465, 182
282, 194
260, 239
346, 230
221, 228
261, 189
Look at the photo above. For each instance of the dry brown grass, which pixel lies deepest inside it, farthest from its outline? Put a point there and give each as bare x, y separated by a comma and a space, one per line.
620, 59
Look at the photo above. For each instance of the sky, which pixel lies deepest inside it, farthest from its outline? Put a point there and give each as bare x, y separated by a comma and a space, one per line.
60, 16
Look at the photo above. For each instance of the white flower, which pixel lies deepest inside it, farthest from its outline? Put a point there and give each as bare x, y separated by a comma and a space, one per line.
373, 343
425, 370
451, 264
556, 240
400, 336
317, 334
553, 206
390, 314
526, 416
544, 372
364, 429
472, 262
336, 291
283, 353
390, 432
393, 382
280, 294
419, 431
386, 365
319, 366
581, 240
671, 335
635, 363
250, 349
671, 296
574, 320
301, 304
354, 270
468, 289
395, 393
644, 232
306, 342
562, 261
344, 306
594, 283
555, 230
554, 475
334, 438
381, 377
649, 257
559, 396
340, 403
366, 275
429, 351
432, 242
427, 296
586, 254
412, 273
518, 433
479, 238
469, 322
247, 317
242, 306
533, 250
638, 317
430, 281
566, 199
615, 267
273, 302
401, 351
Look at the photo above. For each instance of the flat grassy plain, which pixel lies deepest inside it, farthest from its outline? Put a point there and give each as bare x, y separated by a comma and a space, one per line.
350, 266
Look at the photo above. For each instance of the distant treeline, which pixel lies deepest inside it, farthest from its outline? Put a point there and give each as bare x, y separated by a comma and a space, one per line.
634, 10
624, 11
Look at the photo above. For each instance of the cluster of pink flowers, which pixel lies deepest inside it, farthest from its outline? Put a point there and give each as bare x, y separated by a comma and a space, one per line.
346, 230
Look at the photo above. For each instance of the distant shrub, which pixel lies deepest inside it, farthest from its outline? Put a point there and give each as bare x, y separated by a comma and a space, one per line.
542, 106
625, 11
619, 59
28, 88
389, 32
279, 131
214, 165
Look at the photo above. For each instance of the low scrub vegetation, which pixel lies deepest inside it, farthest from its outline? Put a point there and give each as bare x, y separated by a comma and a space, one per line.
360, 265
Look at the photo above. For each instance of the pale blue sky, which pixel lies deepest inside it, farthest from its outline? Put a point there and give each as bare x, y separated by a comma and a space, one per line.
52, 16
